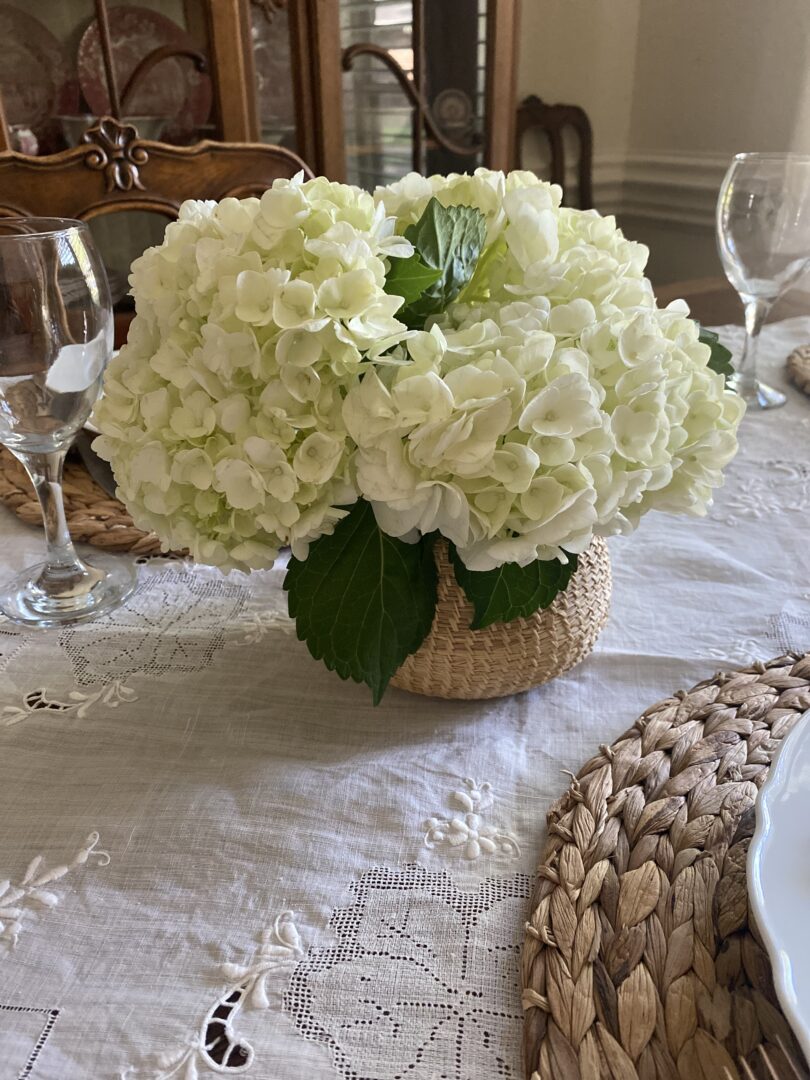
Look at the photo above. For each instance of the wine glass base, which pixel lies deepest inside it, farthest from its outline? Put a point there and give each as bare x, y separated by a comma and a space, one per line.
758, 395
23, 601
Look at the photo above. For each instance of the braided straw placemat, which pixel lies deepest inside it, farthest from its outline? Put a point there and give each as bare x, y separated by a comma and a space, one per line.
798, 366
639, 960
505, 658
92, 516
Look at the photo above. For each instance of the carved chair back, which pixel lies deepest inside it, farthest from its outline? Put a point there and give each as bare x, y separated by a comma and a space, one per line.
533, 114
114, 170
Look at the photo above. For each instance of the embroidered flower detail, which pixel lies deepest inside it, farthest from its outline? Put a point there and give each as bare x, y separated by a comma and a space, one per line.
256, 625
31, 894
776, 487
215, 1046
467, 831
112, 695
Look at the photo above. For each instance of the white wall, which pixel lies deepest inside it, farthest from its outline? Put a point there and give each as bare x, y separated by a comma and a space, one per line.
576, 51
674, 88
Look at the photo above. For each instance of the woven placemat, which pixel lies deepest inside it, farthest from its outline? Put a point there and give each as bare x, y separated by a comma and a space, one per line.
798, 366
93, 517
639, 959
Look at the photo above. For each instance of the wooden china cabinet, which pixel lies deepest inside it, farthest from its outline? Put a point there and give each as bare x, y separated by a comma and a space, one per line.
361, 90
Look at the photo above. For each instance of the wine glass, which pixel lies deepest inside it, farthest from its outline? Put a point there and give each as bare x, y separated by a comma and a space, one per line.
763, 235
56, 335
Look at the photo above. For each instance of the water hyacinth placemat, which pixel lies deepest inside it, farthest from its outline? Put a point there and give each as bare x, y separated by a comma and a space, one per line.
798, 367
640, 962
93, 516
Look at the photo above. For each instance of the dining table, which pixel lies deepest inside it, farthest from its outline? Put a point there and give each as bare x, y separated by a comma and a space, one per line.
216, 857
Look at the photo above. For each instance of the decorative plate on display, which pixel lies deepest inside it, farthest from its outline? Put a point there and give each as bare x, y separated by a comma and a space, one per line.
453, 110
35, 76
779, 876
173, 88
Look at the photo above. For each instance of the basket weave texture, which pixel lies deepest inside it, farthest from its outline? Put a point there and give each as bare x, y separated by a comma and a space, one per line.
93, 517
798, 368
506, 658
640, 962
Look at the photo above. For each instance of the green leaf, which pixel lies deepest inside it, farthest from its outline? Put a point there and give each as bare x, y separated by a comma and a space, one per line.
511, 591
363, 601
720, 360
448, 239
410, 277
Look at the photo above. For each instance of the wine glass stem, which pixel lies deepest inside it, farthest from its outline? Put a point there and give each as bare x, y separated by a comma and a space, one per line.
756, 311
45, 471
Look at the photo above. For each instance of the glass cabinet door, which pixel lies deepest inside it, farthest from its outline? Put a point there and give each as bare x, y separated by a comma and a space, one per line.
54, 82
273, 72
415, 91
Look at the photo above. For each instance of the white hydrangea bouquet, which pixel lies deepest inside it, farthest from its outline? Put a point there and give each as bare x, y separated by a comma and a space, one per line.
355, 376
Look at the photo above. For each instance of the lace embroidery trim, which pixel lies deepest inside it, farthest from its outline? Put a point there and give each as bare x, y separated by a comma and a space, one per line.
466, 832
216, 1046
175, 620
30, 893
78, 704
422, 981
51, 1016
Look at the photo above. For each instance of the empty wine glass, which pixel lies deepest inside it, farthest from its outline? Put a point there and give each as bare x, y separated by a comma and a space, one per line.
56, 334
763, 234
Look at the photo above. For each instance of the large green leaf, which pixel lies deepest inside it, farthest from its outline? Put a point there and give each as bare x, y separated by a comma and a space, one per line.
511, 591
410, 277
363, 601
720, 360
448, 239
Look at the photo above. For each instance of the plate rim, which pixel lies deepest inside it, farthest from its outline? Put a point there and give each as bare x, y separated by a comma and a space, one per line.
64, 86
178, 35
783, 982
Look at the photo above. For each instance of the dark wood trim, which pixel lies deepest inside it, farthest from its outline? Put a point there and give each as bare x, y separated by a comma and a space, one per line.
318, 79
418, 46
301, 65
503, 24
5, 138
114, 170
233, 71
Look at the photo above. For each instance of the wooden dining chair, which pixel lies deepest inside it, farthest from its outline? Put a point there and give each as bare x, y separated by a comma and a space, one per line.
534, 114
113, 170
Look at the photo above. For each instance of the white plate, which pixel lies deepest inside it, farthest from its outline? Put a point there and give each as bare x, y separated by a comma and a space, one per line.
779, 876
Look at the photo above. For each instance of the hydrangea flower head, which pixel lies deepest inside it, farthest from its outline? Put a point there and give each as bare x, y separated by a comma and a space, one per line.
222, 415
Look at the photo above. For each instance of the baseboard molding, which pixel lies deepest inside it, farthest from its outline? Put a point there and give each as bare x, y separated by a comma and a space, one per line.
680, 189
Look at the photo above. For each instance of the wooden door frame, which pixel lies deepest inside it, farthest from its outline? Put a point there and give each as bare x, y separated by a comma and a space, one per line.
503, 27
318, 85
233, 71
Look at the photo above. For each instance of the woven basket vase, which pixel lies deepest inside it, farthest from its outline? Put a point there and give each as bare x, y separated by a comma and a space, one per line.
506, 658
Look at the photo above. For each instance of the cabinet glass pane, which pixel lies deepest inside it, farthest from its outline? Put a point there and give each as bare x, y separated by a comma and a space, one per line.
441, 48
54, 86
272, 61
53, 79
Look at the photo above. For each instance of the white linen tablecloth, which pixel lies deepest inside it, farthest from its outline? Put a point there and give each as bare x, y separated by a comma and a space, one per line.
207, 834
